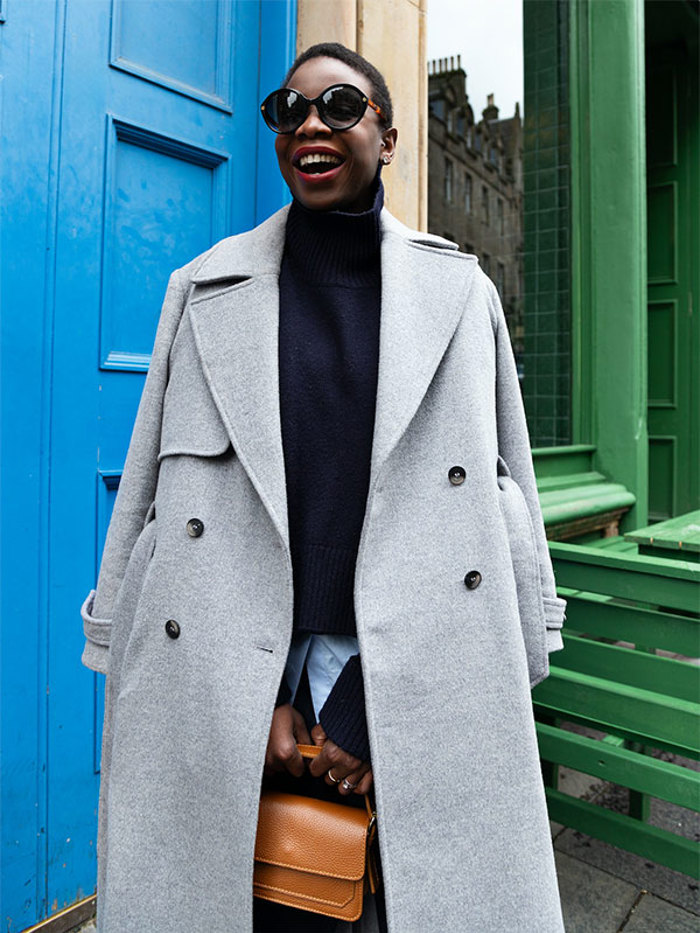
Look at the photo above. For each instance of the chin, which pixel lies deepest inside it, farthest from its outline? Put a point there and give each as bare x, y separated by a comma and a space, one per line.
321, 202
318, 201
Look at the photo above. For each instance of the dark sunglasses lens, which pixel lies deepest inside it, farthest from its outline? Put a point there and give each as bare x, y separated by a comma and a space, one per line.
343, 106
285, 110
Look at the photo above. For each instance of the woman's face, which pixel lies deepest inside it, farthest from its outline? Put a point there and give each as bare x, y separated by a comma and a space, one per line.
345, 186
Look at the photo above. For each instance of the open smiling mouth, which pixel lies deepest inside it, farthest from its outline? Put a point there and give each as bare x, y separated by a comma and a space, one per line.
318, 163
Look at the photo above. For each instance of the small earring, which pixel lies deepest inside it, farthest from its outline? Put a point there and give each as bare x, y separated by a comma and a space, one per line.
386, 160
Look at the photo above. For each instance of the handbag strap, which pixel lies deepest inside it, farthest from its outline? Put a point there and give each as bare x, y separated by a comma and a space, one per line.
312, 751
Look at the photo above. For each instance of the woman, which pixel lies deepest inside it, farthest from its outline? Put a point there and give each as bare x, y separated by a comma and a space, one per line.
328, 499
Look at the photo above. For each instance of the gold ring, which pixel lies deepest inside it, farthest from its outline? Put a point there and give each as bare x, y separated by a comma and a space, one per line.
332, 776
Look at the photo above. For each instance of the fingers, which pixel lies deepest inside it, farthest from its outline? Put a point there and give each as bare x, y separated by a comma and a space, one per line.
340, 769
301, 733
365, 784
349, 774
282, 753
328, 756
290, 757
351, 783
318, 735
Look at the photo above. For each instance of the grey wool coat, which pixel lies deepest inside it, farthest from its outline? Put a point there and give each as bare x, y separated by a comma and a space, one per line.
464, 835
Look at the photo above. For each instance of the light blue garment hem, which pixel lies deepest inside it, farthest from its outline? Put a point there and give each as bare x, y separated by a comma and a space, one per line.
325, 657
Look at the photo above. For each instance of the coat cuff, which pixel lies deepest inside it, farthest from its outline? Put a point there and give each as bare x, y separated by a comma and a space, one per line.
97, 636
554, 640
554, 611
343, 713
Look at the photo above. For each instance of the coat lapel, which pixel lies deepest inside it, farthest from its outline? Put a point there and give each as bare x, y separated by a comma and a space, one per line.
424, 292
235, 318
234, 311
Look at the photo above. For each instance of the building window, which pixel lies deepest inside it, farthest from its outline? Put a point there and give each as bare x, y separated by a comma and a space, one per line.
501, 280
485, 204
501, 219
438, 108
486, 263
477, 144
467, 193
451, 122
448, 180
470, 135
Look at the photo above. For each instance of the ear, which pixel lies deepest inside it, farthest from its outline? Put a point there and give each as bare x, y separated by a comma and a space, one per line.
388, 145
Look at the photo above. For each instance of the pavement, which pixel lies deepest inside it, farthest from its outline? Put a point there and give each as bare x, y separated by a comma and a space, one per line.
605, 889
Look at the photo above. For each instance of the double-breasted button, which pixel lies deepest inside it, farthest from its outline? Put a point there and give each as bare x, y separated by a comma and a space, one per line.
457, 475
195, 527
172, 629
472, 579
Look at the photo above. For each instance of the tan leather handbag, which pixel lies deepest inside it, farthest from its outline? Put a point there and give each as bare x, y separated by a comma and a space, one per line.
314, 854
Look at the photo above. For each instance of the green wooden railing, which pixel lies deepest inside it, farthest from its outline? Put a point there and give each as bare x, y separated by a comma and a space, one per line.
623, 609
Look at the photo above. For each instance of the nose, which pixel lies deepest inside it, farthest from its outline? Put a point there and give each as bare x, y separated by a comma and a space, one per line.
313, 125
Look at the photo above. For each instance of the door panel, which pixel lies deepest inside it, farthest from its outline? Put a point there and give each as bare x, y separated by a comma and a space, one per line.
165, 200
663, 363
181, 54
672, 226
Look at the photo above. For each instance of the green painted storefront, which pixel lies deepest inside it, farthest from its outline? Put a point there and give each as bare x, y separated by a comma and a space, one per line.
612, 371
612, 243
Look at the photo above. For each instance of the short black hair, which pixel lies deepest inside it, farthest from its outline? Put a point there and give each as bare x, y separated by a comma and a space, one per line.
380, 91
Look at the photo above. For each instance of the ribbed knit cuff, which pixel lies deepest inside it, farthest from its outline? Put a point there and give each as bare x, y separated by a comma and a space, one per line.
343, 713
323, 588
284, 694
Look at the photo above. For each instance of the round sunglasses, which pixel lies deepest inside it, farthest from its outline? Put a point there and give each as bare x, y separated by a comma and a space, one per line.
340, 106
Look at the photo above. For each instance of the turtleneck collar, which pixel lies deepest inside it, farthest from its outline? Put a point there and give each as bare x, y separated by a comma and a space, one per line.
335, 247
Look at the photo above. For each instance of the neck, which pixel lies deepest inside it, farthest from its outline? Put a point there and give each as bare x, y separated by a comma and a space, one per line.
336, 247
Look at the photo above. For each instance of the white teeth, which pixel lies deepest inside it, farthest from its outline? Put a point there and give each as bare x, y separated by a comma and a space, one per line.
313, 157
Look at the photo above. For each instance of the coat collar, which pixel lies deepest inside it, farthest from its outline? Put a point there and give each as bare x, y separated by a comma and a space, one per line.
234, 309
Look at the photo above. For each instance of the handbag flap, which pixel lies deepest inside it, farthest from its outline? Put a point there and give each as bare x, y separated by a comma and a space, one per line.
310, 835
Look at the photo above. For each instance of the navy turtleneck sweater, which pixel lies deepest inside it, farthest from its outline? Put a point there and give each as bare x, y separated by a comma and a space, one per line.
330, 293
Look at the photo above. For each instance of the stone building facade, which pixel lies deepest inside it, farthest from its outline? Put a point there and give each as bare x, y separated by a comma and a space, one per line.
475, 183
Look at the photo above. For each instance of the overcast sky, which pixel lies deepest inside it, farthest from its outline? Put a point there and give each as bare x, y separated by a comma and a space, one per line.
488, 34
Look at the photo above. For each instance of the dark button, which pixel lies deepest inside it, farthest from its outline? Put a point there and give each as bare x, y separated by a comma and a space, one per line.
172, 628
457, 475
195, 527
472, 579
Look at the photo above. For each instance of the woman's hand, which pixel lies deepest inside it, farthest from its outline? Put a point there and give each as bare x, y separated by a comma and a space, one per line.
288, 728
345, 767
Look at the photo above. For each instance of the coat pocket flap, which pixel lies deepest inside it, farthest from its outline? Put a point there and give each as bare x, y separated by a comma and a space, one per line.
191, 421
194, 445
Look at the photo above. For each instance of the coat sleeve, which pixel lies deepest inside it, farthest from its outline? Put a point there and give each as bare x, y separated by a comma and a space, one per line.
137, 486
514, 448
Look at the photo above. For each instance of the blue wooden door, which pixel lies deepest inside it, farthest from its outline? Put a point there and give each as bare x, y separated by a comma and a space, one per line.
140, 119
